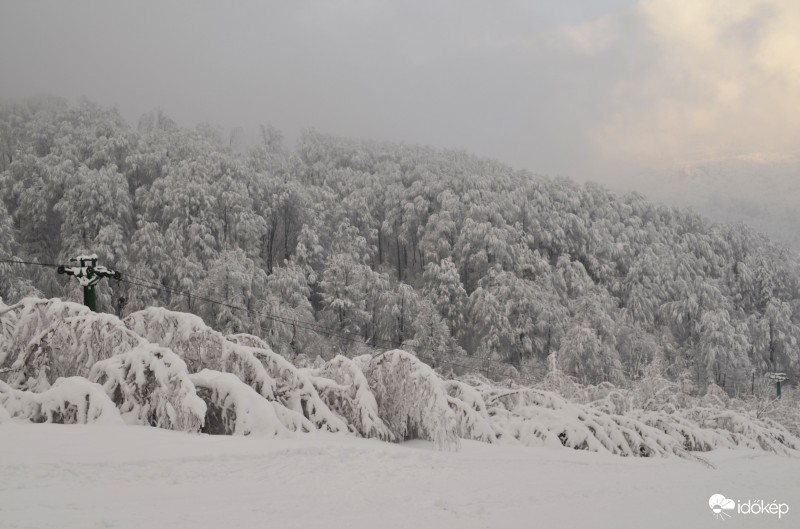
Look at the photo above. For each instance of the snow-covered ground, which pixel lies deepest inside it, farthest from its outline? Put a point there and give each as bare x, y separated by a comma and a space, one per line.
87, 476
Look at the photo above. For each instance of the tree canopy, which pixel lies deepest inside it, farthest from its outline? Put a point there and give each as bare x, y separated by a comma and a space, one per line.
397, 245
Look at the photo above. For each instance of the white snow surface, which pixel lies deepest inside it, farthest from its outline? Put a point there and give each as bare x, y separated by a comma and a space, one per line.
91, 476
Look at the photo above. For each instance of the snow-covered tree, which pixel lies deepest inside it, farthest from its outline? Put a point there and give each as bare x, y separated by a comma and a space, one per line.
201, 347
293, 387
584, 355
69, 348
432, 339
152, 263
471, 413
72, 400
722, 348
444, 289
233, 279
412, 399
33, 317
234, 408
776, 337
288, 298
343, 294
345, 389
150, 385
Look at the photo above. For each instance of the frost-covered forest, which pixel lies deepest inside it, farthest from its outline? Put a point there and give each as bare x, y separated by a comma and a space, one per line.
472, 265
169, 370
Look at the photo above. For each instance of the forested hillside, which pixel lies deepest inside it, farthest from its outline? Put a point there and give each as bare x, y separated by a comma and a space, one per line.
433, 251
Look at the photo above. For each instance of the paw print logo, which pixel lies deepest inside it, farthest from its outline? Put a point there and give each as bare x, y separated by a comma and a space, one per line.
719, 504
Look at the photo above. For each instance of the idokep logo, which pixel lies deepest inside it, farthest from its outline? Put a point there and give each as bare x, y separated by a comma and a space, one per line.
723, 507
719, 504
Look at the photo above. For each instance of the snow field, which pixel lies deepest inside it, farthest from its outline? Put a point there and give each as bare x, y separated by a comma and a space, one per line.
86, 476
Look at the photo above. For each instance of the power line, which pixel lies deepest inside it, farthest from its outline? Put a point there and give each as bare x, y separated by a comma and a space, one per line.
192, 295
21, 262
295, 323
301, 324
313, 327
320, 329
317, 327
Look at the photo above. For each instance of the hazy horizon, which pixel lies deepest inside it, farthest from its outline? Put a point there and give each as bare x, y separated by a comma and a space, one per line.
683, 102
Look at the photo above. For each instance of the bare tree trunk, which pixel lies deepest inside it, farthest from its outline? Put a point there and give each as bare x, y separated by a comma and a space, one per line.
400, 337
380, 246
399, 261
269, 243
286, 226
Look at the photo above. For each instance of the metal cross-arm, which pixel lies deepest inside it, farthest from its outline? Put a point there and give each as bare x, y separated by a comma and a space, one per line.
88, 274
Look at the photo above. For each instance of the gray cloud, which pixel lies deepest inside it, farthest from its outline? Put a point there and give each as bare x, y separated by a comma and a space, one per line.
588, 89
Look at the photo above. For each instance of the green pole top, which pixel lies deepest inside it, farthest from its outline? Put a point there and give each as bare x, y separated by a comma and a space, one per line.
88, 274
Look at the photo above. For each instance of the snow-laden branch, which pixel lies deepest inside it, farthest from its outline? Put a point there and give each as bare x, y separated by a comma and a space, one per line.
412, 399
200, 346
471, 413
34, 317
70, 347
151, 386
345, 389
72, 400
234, 408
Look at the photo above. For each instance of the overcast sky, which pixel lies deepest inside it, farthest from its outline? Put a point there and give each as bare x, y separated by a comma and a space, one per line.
591, 89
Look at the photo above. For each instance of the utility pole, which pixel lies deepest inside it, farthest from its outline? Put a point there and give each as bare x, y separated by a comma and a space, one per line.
777, 378
88, 274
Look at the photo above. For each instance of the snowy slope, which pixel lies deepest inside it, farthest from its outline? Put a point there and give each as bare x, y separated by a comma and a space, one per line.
89, 476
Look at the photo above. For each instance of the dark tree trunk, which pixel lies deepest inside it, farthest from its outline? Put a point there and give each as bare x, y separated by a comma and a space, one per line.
380, 246
399, 261
269, 244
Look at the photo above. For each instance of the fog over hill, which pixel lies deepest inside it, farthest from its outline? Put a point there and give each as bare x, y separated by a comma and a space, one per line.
760, 190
